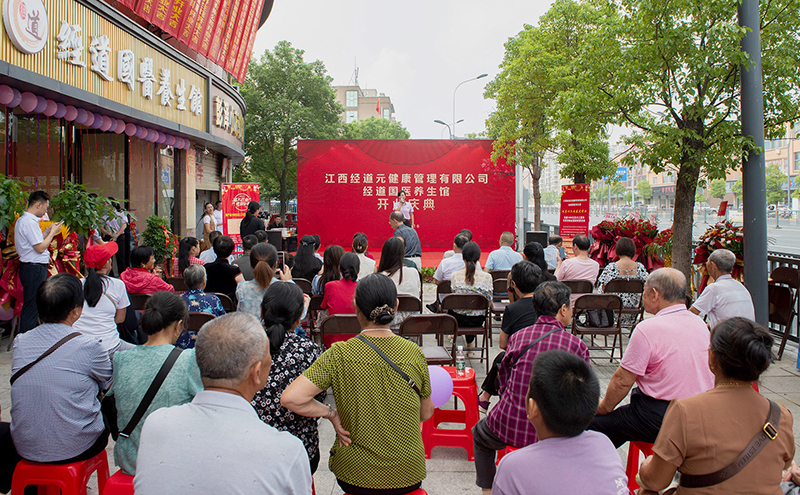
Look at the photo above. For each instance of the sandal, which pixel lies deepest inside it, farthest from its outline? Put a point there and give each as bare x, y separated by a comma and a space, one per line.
483, 406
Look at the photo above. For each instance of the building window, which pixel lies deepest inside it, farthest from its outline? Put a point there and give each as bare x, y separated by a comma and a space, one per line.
352, 116
351, 98
773, 144
386, 113
796, 161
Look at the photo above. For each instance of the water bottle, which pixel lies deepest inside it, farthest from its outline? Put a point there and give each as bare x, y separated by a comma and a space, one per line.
461, 362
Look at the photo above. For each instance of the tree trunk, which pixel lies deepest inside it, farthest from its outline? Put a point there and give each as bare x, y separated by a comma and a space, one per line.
685, 189
536, 174
579, 178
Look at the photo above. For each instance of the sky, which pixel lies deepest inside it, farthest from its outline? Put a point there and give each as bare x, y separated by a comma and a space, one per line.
416, 52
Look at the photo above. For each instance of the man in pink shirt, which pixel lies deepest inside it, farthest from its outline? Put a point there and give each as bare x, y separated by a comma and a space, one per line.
667, 357
581, 267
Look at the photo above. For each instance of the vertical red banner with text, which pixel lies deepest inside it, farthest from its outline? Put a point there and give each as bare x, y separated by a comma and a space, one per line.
235, 198
204, 17
246, 48
236, 14
187, 26
225, 17
574, 217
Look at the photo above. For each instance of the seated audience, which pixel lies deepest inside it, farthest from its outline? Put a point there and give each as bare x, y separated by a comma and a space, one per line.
581, 267
404, 277
534, 253
231, 450
306, 265
317, 243
413, 247
667, 357
197, 301
505, 257
360, 245
706, 433
222, 276
164, 319
471, 280
560, 403
507, 423
329, 270
55, 412
338, 299
188, 249
282, 309
106, 300
263, 261
261, 235
139, 278
448, 266
379, 424
209, 255
243, 261
726, 297
551, 253
451, 252
522, 281
626, 269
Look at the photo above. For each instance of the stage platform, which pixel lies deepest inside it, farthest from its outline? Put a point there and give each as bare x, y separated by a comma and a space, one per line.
430, 258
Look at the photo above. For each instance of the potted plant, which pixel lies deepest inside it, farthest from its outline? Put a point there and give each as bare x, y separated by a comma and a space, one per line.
158, 236
82, 209
12, 201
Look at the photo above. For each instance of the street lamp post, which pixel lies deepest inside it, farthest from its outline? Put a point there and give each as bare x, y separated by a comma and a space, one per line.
448, 126
454, 101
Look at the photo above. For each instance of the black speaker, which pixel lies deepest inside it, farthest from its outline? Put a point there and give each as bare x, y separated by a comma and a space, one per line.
537, 236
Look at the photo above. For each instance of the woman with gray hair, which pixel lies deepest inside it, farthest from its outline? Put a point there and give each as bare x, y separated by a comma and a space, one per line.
197, 300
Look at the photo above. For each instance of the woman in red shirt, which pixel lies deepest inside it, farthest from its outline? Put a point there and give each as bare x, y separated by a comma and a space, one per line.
340, 294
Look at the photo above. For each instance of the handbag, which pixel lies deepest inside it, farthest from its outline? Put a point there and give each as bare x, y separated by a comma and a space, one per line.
402, 373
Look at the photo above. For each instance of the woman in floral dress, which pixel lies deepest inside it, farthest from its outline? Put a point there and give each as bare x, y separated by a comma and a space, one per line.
626, 269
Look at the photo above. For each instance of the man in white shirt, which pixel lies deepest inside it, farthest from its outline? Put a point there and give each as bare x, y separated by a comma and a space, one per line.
551, 252
726, 297
217, 443
31, 244
218, 216
209, 256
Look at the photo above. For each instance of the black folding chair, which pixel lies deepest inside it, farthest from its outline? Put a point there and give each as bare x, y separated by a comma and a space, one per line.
599, 302
471, 302
416, 326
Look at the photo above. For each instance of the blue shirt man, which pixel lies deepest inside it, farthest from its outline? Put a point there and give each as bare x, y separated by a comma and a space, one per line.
505, 257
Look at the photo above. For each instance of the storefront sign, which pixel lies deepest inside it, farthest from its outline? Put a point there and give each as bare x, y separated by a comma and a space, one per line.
227, 120
26, 23
574, 217
235, 198
85, 50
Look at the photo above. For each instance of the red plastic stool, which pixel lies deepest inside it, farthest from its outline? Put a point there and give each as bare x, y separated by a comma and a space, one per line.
502, 453
119, 484
70, 478
633, 462
465, 388
418, 491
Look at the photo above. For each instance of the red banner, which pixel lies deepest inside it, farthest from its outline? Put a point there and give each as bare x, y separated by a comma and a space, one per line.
177, 13
234, 31
574, 218
204, 17
243, 58
146, 9
209, 28
187, 27
345, 186
235, 198
225, 17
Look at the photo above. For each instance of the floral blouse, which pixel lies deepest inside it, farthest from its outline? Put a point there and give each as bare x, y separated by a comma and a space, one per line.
198, 302
296, 355
482, 284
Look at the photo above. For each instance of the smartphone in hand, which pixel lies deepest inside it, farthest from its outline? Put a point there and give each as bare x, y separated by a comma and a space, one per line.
280, 260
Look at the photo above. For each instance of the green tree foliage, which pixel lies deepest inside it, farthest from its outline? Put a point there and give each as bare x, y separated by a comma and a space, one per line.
775, 181
12, 200
699, 195
158, 236
551, 198
287, 99
645, 190
717, 189
374, 128
737, 189
671, 71
628, 196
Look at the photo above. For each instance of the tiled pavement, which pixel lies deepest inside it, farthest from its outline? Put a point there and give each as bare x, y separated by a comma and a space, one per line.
449, 471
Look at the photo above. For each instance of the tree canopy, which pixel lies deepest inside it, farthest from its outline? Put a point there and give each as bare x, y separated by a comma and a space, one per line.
374, 128
645, 190
775, 181
287, 99
717, 189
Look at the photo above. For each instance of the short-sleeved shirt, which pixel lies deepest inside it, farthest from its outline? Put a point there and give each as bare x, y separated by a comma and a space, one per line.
502, 259
366, 266
481, 284
218, 219
551, 257
134, 371
198, 302
669, 354
222, 277
208, 256
192, 261
254, 226
508, 419
586, 463
210, 220
98, 321
725, 298
578, 269
413, 247
448, 266
26, 235
379, 409
518, 315
405, 208
707, 432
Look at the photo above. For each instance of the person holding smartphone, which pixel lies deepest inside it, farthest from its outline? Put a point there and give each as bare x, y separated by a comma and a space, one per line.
264, 260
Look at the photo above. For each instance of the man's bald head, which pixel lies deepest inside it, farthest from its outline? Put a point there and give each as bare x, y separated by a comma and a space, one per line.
227, 347
669, 283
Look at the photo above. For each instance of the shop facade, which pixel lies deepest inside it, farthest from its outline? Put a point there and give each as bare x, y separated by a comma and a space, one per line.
89, 96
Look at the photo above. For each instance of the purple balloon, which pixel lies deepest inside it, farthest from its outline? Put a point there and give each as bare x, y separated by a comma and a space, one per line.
71, 113
120, 127
98, 121
61, 110
112, 126
50, 109
16, 100
178, 143
187, 144
151, 135
6, 94
41, 104
441, 385
141, 132
130, 130
160, 137
29, 102
170, 140
83, 116
105, 123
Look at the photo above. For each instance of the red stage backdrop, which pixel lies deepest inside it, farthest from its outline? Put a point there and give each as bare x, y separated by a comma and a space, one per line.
235, 198
344, 187
574, 212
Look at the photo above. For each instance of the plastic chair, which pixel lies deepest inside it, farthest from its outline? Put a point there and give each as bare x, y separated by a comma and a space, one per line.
465, 388
439, 325
601, 302
418, 491
119, 484
634, 448
70, 478
138, 301
502, 453
783, 300
473, 302
227, 302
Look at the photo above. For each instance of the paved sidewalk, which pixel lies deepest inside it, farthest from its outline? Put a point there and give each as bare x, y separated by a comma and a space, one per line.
449, 471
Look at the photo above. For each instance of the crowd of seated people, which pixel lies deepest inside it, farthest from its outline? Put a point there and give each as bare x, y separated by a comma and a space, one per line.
681, 378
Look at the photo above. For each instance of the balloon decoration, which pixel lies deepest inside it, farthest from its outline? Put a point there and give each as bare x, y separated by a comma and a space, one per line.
41, 104
98, 121
106, 123
170, 140
130, 130
71, 113
178, 143
50, 109
120, 127
16, 100
6, 94
28, 102
441, 385
61, 111
141, 132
